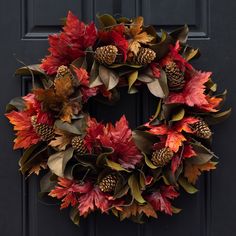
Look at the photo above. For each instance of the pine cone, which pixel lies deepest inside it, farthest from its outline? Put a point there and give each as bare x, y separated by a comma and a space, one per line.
202, 130
144, 56
108, 183
62, 71
44, 131
175, 76
106, 54
162, 156
78, 144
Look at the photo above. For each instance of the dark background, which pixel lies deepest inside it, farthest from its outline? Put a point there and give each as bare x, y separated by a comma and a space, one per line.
24, 27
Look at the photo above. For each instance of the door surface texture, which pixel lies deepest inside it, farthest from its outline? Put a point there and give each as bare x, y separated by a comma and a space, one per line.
24, 28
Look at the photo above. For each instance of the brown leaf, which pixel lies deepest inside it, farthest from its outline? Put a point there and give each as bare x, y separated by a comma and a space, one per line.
36, 168
192, 172
137, 35
62, 139
63, 86
135, 209
66, 112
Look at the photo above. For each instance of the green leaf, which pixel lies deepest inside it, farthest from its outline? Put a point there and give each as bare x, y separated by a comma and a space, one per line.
75, 216
176, 210
187, 186
132, 79
218, 117
94, 78
114, 66
26, 70
144, 140
180, 34
190, 53
135, 189
17, 103
67, 127
57, 162
148, 162
47, 183
178, 115
106, 20
109, 78
106, 152
115, 166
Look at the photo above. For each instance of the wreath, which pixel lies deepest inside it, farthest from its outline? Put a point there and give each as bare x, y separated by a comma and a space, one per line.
89, 165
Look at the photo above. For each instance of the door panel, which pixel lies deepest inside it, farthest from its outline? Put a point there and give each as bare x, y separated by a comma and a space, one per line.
25, 26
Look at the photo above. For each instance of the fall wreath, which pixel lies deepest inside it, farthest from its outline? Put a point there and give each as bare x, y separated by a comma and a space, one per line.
89, 165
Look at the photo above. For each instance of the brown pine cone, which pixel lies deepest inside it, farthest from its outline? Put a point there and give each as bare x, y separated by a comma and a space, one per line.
62, 71
44, 131
106, 54
108, 183
201, 129
144, 56
78, 144
175, 76
162, 157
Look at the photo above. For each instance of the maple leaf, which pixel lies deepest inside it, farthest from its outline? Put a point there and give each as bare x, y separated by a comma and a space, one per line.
92, 200
93, 132
155, 70
213, 103
184, 124
188, 151
193, 91
69, 44
192, 172
160, 199
175, 163
61, 140
37, 168
119, 137
137, 36
135, 209
26, 135
68, 190
115, 36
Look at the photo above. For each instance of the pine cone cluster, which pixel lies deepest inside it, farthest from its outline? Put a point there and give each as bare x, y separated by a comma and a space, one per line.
175, 76
44, 131
202, 130
62, 71
106, 54
162, 157
144, 56
78, 144
108, 183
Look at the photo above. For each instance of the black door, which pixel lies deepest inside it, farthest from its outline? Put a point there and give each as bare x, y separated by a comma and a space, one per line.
24, 27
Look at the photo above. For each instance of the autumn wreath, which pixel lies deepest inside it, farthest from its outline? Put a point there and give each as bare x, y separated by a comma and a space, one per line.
90, 165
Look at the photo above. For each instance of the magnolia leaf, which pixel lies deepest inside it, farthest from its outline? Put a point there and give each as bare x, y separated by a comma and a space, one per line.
26, 70
180, 34
163, 82
135, 189
218, 117
94, 78
176, 210
145, 78
187, 186
107, 151
132, 79
156, 89
79, 63
47, 183
106, 20
75, 215
148, 162
109, 78
114, 66
57, 162
144, 140
115, 166
179, 115
67, 127
190, 54
17, 103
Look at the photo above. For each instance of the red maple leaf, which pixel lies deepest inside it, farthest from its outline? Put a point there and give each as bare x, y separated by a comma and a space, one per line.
68, 190
188, 151
213, 103
83, 79
174, 137
94, 130
155, 69
115, 36
119, 137
69, 44
92, 200
160, 199
26, 135
193, 91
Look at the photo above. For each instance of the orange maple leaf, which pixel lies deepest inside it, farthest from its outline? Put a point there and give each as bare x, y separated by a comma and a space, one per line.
137, 36
192, 172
